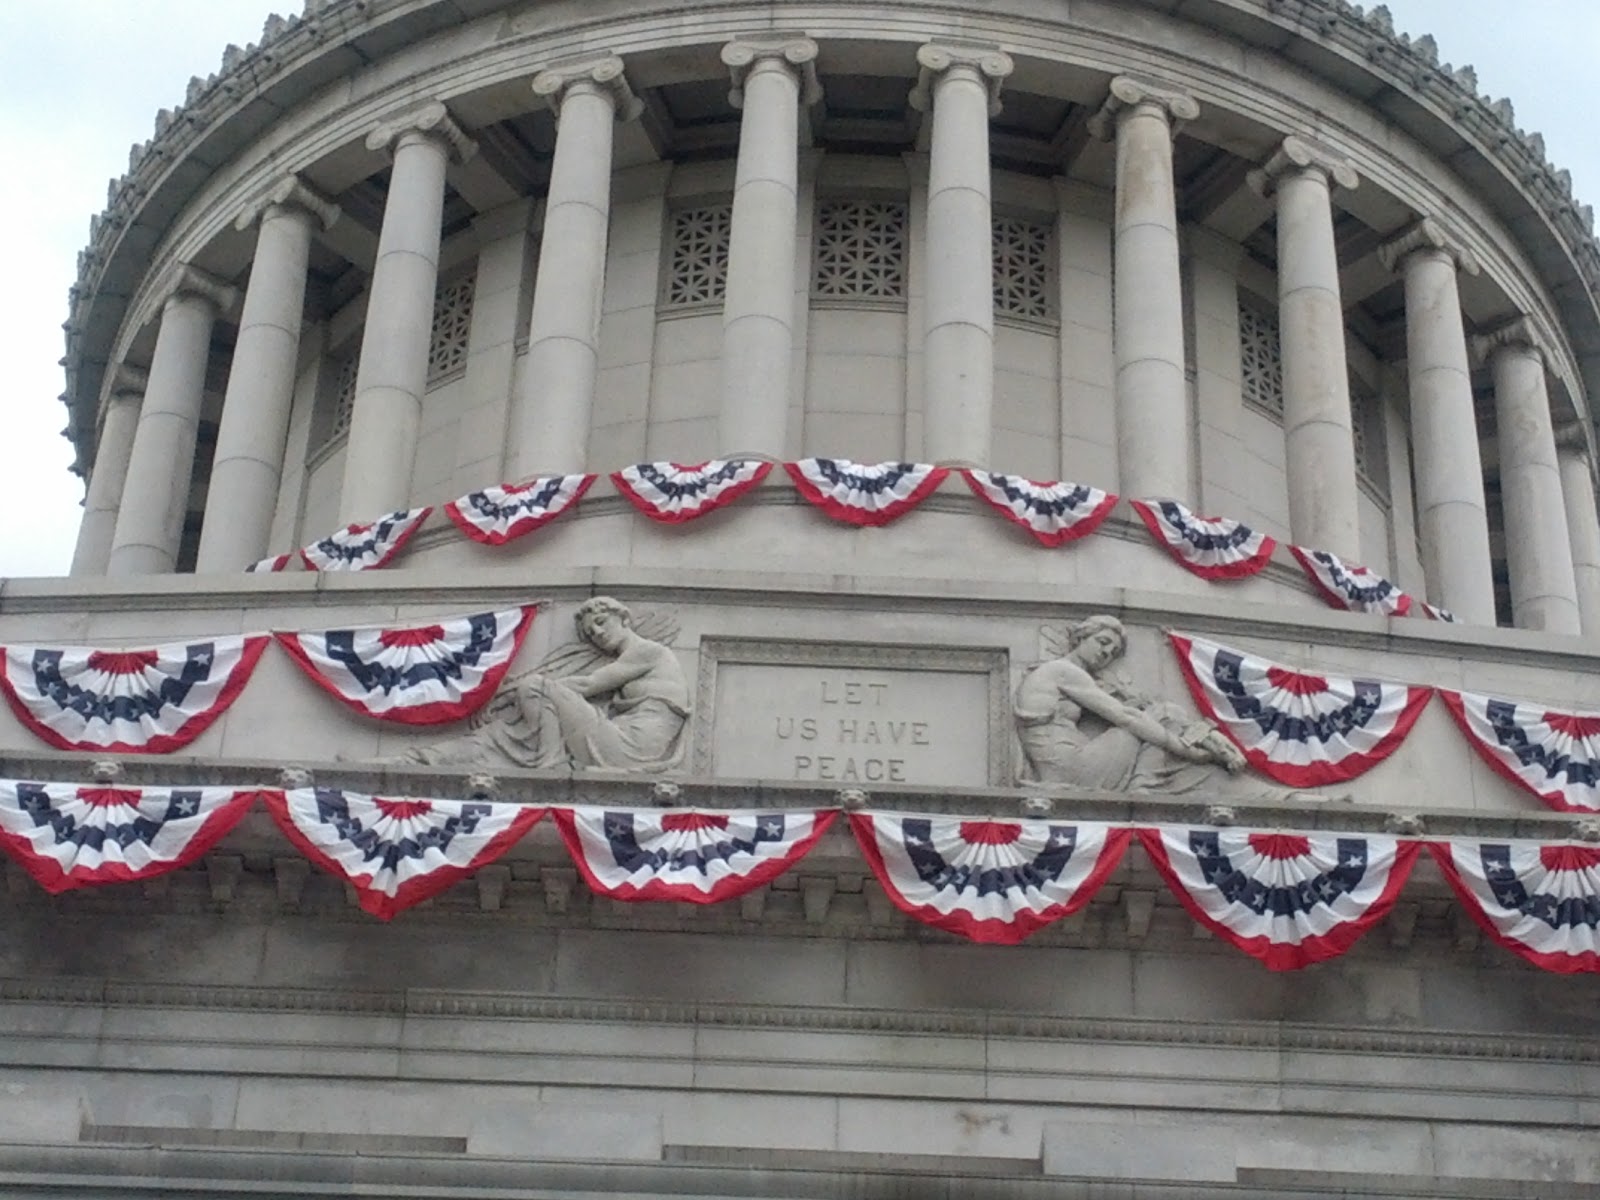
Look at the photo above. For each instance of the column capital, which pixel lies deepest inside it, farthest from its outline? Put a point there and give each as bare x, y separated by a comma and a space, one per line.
798, 53
432, 119
603, 72
290, 192
1297, 155
990, 63
1128, 94
189, 280
1517, 335
127, 380
1426, 234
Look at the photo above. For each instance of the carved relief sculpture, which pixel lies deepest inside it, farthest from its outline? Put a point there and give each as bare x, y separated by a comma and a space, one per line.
1083, 725
617, 699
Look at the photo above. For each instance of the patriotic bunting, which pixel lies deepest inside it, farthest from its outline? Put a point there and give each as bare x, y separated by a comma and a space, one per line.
1434, 613
1287, 899
397, 852
1345, 586
1054, 513
497, 515
864, 493
422, 675
665, 491
1554, 755
697, 855
1210, 547
70, 835
278, 562
365, 547
1301, 729
127, 701
988, 880
1539, 901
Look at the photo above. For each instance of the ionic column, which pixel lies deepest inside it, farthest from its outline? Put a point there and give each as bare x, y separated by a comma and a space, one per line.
155, 495
113, 448
1451, 513
1319, 447
960, 86
1153, 434
550, 416
770, 78
255, 409
392, 373
1583, 526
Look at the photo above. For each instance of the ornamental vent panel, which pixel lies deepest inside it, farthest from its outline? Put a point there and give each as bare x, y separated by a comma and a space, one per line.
1261, 361
697, 267
452, 320
1022, 269
860, 251
344, 393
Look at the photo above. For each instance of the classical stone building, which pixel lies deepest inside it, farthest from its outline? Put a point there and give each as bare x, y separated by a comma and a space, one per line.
1266, 258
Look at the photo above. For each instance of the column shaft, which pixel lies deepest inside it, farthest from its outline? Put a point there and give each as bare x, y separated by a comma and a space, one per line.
113, 449
155, 495
1449, 470
550, 418
1583, 527
255, 410
1544, 591
392, 373
758, 308
1319, 448
958, 346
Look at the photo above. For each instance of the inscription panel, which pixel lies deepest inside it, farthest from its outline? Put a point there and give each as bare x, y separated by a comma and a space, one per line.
857, 716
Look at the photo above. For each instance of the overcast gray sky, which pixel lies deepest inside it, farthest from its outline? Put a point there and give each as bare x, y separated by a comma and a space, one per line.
81, 80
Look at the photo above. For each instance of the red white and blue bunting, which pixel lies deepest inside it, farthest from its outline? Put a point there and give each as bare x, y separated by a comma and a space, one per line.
1210, 547
1054, 513
864, 493
497, 515
1287, 899
1303, 730
697, 855
418, 675
1355, 588
397, 852
365, 547
988, 880
128, 701
1538, 901
69, 835
1554, 755
1434, 613
666, 491
268, 566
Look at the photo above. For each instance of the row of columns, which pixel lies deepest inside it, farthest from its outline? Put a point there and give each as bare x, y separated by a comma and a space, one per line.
135, 507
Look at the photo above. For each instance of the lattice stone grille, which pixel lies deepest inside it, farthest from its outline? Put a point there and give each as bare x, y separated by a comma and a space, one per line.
1364, 416
1021, 268
697, 269
860, 250
344, 393
1261, 360
452, 320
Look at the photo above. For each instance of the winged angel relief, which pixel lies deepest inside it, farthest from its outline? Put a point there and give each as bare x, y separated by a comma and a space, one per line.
616, 698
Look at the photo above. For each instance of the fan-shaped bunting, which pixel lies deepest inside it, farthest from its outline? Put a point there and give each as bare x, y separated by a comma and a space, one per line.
988, 880
268, 566
365, 547
1345, 586
417, 675
864, 493
666, 491
1434, 613
1287, 899
1054, 513
1554, 755
397, 852
698, 855
1539, 901
1210, 547
497, 515
1304, 730
128, 701
69, 835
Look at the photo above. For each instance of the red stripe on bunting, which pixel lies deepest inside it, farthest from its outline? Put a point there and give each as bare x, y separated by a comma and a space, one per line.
1527, 745
387, 535
494, 516
1353, 588
1542, 904
830, 484
1053, 513
673, 493
1182, 533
